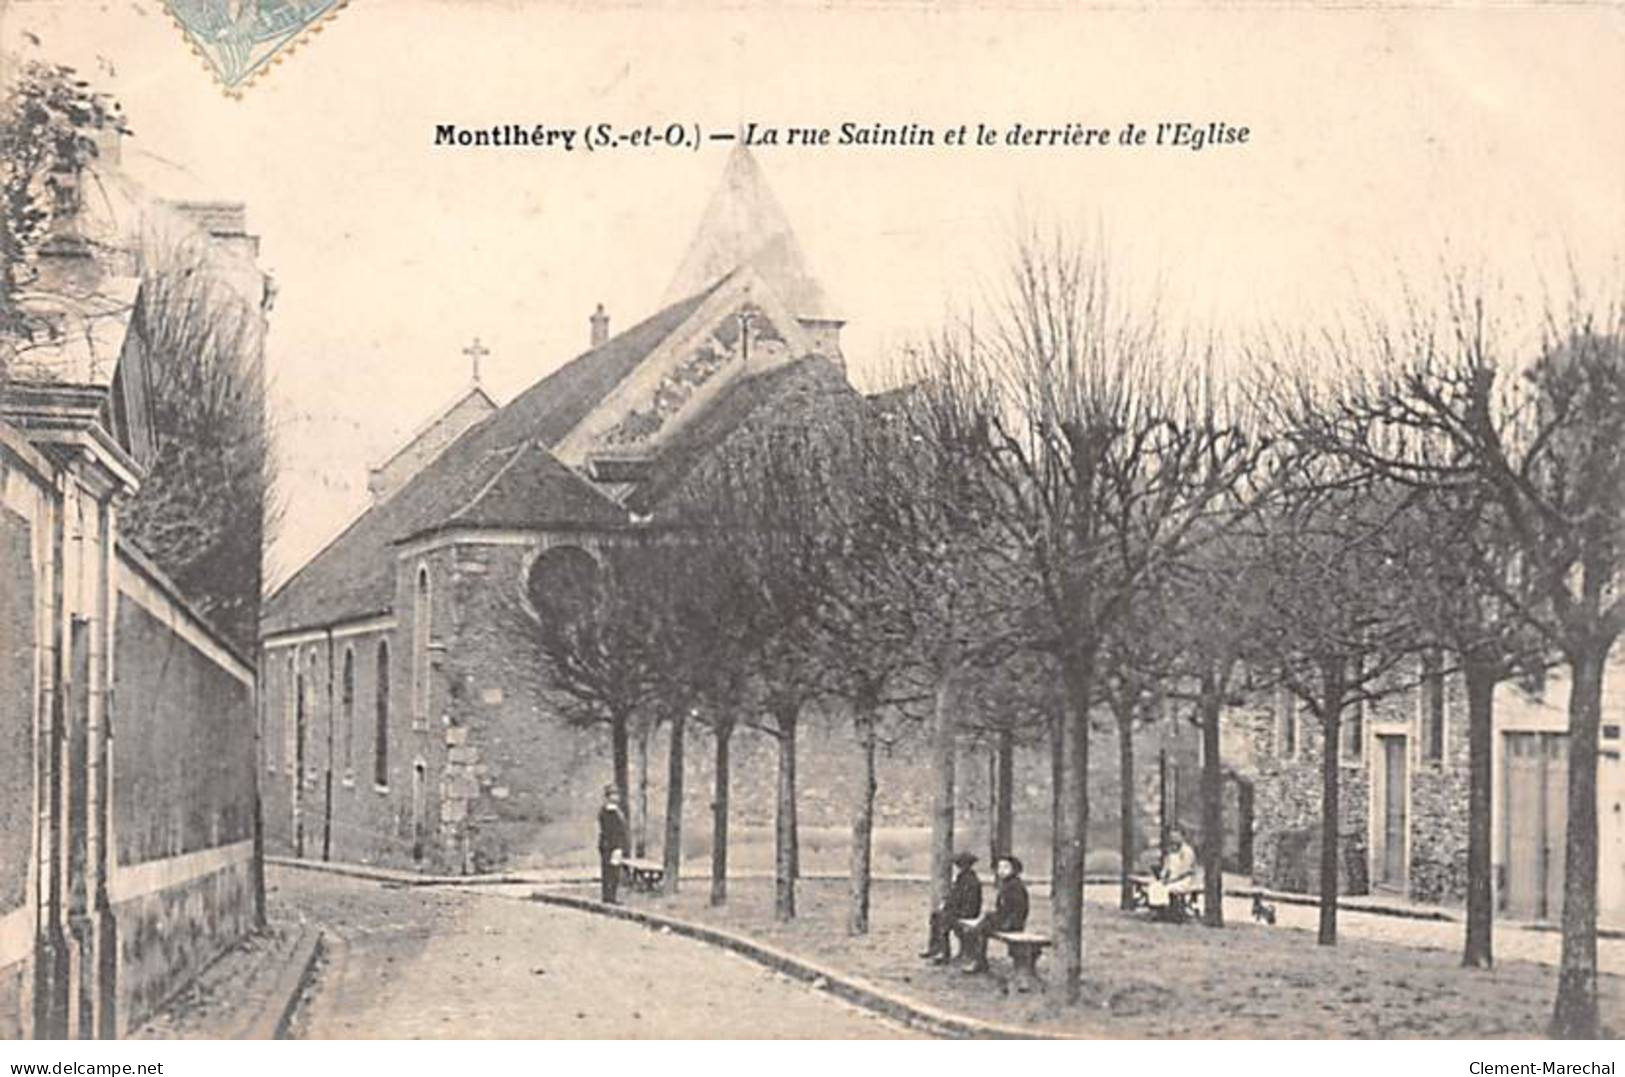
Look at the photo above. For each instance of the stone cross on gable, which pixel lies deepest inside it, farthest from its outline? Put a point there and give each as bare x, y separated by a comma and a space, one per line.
475, 352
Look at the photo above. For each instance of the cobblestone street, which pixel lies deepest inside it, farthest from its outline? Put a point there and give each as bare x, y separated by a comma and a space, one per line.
421, 962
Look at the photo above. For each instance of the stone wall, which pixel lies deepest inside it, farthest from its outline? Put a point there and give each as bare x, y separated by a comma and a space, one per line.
522, 783
1287, 806
183, 747
17, 669
167, 934
1438, 806
182, 788
144, 874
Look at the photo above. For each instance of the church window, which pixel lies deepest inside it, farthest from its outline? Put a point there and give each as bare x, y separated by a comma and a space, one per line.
420, 650
347, 709
290, 705
380, 743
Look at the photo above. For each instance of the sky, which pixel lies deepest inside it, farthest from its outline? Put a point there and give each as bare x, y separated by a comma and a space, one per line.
1383, 142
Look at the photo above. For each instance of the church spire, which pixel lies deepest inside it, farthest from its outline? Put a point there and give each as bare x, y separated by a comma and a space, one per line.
744, 225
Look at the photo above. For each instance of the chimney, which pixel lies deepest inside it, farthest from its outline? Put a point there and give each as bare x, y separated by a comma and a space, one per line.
109, 140
600, 327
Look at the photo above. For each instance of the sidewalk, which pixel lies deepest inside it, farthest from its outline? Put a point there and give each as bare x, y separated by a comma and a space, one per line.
1235, 886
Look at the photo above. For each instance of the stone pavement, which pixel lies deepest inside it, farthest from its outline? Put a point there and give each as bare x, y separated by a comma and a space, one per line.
417, 962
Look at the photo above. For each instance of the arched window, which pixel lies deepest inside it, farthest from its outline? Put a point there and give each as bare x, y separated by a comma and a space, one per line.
312, 702
290, 705
420, 650
301, 715
380, 743
347, 709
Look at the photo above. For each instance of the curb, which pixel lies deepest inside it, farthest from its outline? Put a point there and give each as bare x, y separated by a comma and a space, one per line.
271, 1023
411, 878
1401, 912
914, 1015
1283, 897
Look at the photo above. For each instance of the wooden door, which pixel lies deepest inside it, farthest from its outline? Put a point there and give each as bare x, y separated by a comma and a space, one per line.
1555, 756
1536, 814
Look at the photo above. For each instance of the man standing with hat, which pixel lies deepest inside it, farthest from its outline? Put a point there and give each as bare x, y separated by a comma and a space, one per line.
611, 843
964, 902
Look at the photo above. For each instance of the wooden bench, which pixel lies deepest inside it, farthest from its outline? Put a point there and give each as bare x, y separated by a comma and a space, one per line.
1185, 896
1025, 947
643, 876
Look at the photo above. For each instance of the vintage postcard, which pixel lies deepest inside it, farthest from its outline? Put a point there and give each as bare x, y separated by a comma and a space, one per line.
538, 520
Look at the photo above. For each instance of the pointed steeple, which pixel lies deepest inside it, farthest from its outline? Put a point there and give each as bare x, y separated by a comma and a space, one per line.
744, 225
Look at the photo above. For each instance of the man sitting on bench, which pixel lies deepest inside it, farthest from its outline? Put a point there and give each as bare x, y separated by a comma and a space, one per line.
964, 902
1009, 914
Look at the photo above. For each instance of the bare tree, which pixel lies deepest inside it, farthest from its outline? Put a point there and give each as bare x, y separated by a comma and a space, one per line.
1536, 452
593, 627
1335, 546
1101, 475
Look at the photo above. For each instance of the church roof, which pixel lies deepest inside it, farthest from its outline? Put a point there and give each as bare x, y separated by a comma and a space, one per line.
484, 478
797, 390
474, 392
508, 470
744, 225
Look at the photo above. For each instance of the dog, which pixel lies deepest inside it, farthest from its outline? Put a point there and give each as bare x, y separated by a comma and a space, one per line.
1263, 911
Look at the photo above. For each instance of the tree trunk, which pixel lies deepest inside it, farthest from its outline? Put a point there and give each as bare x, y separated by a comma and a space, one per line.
673, 860
1057, 761
640, 804
1480, 676
1066, 894
1004, 816
1125, 808
619, 749
1575, 1014
1332, 688
1212, 805
942, 799
724, 730
863, 827
793, 835
993, 804
784, 891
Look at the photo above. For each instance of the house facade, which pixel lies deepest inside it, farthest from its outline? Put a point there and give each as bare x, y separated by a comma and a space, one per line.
1403, 762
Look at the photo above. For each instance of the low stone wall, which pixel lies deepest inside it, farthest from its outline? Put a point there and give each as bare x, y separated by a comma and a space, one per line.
166, 935
15, 999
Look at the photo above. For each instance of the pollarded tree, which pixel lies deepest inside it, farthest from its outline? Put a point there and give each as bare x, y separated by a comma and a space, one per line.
1542, 443
1465, 556
593, 627
946, 559
1337, 551
865, 629
1102, 474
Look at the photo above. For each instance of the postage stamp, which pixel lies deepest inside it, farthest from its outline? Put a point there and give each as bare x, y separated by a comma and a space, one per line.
240, 38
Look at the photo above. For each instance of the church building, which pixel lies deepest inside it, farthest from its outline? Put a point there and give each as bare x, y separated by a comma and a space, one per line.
405, 715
